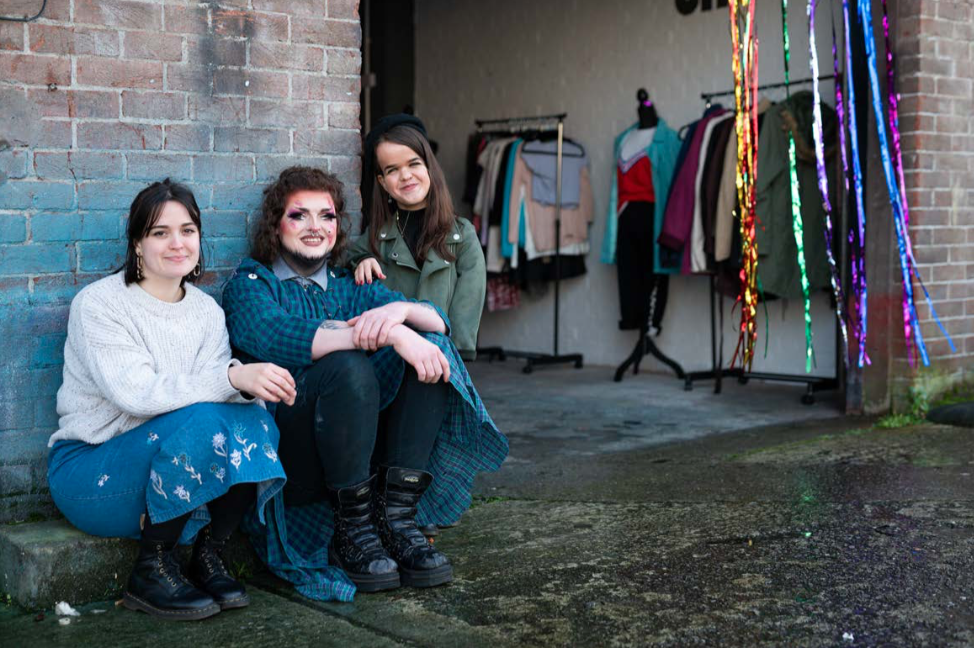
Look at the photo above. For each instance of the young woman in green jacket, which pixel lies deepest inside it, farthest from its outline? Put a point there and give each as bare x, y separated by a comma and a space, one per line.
412, 239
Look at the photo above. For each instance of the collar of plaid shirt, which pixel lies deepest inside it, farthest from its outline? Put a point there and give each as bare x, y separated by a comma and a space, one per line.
284, 272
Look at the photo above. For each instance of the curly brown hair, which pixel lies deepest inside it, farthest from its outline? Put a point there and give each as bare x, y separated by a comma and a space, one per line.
265, 245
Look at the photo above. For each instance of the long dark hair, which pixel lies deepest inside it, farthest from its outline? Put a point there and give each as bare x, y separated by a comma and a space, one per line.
144, 214
440, 217
265, 245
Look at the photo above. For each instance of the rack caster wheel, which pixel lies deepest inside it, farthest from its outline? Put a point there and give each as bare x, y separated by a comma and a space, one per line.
742, 380
687, 385
527, 369
808, 399
578, 364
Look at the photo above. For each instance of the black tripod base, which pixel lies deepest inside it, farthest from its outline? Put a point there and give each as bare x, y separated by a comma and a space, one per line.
644, 346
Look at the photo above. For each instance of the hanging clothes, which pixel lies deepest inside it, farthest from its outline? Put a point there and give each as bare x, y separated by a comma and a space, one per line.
698, 254
777, 254
662, 154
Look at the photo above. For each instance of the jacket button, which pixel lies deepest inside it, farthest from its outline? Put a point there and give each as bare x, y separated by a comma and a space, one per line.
395, 255
456, 237
251, 276
382, 235
447, 262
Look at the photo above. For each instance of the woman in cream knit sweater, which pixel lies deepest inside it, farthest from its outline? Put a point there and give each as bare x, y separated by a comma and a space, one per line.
160, 438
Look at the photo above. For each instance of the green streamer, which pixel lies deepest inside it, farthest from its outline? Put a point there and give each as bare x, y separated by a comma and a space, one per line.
796, 202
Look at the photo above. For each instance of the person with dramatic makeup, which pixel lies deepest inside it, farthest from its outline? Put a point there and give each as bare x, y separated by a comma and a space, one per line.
159, 437
413, 240
386, 429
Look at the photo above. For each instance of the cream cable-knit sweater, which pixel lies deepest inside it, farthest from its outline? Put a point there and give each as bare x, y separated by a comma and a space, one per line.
130, 357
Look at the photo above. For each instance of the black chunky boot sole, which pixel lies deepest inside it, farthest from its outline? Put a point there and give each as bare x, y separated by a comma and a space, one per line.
367, 583
233, 604
133, 602
426, 577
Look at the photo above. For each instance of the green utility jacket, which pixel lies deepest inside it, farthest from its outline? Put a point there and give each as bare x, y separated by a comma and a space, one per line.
458, 288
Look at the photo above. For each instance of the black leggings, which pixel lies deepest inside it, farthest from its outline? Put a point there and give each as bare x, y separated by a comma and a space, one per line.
226, 512
334, 433
642, 293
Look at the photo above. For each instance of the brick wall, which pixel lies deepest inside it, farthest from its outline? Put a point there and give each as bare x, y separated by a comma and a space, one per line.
935, 48
99, 97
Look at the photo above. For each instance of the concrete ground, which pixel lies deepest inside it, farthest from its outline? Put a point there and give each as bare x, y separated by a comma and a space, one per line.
640, 514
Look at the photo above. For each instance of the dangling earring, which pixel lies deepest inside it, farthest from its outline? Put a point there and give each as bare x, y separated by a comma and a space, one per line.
196, 271
138, 268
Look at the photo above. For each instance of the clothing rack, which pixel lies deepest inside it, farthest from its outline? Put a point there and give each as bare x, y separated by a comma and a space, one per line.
718, 371
538, 124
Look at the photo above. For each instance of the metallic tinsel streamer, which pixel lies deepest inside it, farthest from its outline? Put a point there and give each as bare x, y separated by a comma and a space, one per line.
907, 263
745, 68
823, 183
859, 271
797, 225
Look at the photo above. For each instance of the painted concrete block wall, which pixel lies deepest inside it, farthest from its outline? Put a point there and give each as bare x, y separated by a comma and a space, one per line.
935, 41
586, 58
100, 97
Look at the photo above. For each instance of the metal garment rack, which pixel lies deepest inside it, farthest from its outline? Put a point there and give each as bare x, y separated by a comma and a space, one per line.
718, 372
537, 124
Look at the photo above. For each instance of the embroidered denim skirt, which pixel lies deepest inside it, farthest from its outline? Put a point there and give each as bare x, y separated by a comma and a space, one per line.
166, 467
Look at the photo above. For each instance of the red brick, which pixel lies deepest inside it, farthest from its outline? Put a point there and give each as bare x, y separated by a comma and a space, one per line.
297, 115
949, 235
119, 13
954, 87
53, 134
187, 138
344, 115
213, 51
251, 140
250, 83
11, 36
344, 62
928, 255
270, 27
283, 56
188, 78
82, 104
945, 273
110, 73
240, 23
347, 169
327, 142
35, 70
329, 33
153, 105
318, 88
963, 254
115, 136
55, 39
918, 84
153, 46
187, 20
343, 9
55, 9
302, 9
217, 110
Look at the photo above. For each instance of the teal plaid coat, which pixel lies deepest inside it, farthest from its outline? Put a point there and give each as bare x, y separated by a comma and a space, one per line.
270, 320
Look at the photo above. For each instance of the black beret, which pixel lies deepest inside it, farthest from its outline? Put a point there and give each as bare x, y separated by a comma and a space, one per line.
381, 127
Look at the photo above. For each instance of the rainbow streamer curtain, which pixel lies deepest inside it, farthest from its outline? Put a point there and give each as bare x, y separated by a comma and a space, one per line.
745, 68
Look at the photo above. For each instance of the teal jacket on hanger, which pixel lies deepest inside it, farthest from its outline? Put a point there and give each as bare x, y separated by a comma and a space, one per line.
662, 152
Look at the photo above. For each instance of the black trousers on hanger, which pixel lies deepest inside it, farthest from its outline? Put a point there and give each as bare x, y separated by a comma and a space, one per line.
642, 293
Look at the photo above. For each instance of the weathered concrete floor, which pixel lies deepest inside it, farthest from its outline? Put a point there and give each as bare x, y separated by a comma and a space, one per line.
623, 519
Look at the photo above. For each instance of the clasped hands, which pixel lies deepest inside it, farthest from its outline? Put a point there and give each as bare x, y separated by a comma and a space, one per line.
385, 326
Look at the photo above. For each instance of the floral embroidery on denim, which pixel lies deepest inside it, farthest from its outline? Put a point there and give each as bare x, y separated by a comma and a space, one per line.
157, 483
181, 493
236, 459
269, 451
102, 480
238, 431
220, 444
184, 461
264, 425
218, 472
152, 437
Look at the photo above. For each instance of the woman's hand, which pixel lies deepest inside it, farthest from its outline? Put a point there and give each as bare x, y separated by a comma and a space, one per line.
265, 381
373, 326
421, 354
367, 269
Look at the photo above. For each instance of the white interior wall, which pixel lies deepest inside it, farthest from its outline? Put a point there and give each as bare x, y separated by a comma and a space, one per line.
509, 58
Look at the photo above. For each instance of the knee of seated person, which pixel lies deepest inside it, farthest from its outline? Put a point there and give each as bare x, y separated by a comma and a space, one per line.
348, 371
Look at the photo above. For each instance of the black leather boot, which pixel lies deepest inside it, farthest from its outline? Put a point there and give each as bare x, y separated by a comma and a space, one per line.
157, 586
398, 494
209, 573
355, 545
